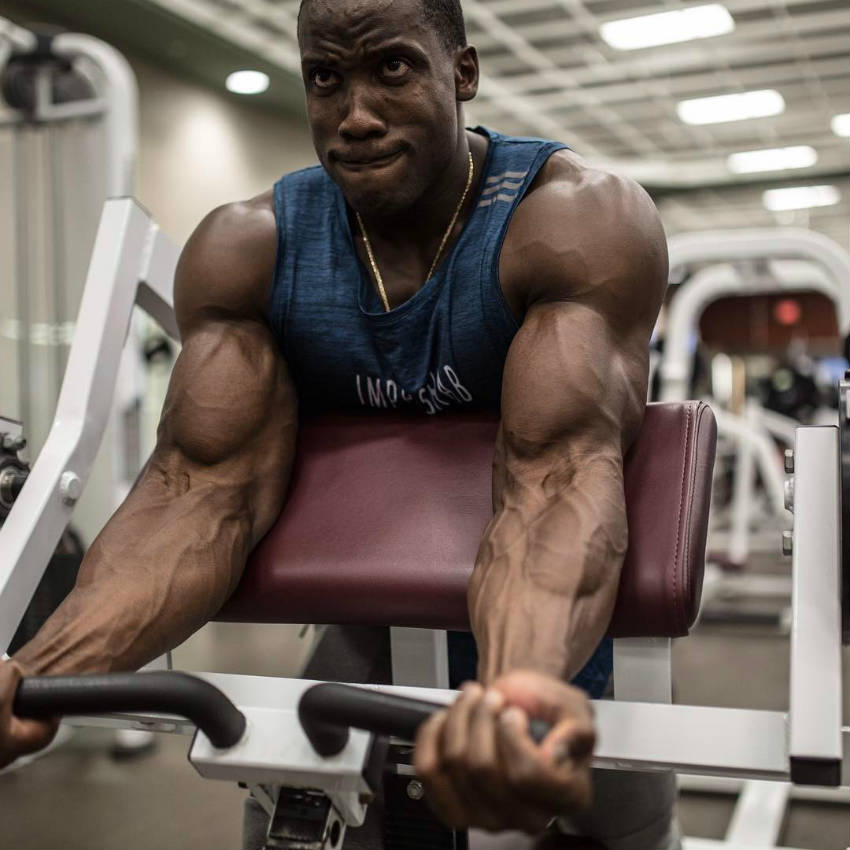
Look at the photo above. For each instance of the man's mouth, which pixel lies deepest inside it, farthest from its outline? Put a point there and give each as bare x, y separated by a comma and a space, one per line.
367, 163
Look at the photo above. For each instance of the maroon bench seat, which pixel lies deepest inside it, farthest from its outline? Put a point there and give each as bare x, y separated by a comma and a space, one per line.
385, 515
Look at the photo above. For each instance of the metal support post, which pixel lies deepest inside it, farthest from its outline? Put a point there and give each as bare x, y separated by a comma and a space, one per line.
759, 814
816, 700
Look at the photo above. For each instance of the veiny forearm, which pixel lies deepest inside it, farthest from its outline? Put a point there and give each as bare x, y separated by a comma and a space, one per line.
160, 569
548, 569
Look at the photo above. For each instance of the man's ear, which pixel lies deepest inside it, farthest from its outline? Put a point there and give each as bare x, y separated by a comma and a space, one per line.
466, 74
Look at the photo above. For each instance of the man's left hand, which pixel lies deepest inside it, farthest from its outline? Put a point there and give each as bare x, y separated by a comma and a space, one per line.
481, 768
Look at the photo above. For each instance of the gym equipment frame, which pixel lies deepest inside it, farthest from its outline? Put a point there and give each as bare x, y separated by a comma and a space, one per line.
738, 253
748, 262
37, 109
117, 103
134, 263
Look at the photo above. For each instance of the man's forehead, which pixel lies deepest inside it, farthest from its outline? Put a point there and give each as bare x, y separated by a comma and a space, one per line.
358, 18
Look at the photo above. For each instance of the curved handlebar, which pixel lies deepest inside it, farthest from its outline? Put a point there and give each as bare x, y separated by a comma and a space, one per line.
328, 711
171, 693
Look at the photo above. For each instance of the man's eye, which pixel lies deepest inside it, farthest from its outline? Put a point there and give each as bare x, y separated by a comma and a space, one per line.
322, 78
394, 67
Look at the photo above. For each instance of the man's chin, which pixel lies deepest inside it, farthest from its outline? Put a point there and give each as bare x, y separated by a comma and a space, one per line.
375, 200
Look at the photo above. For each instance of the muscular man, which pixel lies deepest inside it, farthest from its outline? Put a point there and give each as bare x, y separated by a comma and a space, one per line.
422, 267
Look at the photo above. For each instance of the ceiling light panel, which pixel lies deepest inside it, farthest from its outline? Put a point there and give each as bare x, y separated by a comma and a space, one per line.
773, 159
840, 124
742, 106
247, 82
801, 198
668, 27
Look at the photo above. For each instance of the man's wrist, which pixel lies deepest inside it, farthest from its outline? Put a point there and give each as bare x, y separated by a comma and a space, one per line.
552, 662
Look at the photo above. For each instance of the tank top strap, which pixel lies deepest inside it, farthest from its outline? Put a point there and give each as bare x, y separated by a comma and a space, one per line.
513, 167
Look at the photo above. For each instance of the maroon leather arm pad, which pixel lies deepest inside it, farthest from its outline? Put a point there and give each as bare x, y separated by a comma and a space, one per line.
385, 515
668, 474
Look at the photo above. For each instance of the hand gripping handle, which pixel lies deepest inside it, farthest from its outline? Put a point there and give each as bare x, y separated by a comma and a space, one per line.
170, 693
328, 711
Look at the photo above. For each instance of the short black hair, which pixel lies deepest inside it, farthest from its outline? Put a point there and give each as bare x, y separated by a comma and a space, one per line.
445, 16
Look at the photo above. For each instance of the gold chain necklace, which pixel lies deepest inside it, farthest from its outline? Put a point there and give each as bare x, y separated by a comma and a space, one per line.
376, 272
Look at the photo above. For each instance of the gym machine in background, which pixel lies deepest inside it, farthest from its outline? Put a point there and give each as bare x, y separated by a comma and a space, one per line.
783, 295
68, 141
807, 746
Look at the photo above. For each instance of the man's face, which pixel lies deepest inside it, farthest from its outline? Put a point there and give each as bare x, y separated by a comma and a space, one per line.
381, 99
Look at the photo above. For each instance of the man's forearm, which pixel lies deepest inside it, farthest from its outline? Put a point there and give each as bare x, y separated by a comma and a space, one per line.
161, 568
547, 573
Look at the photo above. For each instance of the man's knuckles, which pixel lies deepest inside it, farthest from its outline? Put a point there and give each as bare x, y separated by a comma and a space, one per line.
522, 774
583, 743
455, 756
484, 772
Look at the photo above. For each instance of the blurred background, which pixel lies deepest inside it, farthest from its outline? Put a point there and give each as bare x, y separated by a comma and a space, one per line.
734, 116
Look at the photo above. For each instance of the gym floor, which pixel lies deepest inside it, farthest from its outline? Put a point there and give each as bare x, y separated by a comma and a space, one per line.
80, 797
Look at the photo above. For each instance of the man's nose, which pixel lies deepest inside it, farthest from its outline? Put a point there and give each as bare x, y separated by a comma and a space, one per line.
360, 119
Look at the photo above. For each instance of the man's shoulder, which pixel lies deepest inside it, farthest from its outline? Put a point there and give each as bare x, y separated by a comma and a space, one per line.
582, 230
570, 192
242, 226
228, 263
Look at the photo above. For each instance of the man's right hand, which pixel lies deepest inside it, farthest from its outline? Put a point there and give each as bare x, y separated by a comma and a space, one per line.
481, 768
18, 736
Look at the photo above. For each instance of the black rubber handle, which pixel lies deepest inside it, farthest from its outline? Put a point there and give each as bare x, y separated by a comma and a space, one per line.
170, 693
328, 711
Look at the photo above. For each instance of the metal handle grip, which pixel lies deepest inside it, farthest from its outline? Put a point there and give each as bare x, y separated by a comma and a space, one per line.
171, 693
328, 711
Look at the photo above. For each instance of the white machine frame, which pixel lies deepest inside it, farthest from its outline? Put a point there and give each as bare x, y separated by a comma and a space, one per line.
119, 102
826, 269
133, 263
748, 262
115, 104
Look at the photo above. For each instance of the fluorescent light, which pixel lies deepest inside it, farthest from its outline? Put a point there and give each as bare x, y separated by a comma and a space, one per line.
731, 107
841, 124
247, 82
668, 27
774, 159
800, 198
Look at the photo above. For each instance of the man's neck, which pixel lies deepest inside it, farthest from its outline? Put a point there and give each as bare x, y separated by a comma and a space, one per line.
426, 220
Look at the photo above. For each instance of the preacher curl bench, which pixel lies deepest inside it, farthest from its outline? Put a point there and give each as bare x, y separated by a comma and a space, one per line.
327, 561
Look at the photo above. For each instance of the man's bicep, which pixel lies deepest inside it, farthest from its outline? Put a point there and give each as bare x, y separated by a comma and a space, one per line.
228, 383
230, 415
574, 389
590, 252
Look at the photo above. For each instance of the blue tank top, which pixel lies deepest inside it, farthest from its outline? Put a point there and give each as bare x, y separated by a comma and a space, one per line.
443, 349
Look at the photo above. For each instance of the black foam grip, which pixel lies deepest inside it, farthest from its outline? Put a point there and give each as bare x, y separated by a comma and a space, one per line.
169, 693
327, 712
